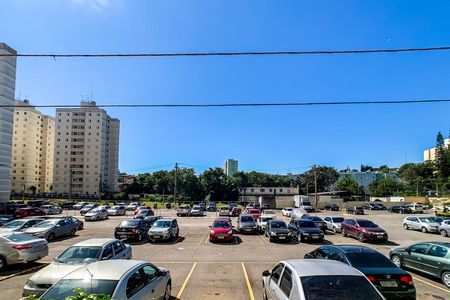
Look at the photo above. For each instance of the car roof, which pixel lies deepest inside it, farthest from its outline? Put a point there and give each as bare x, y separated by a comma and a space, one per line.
359, 220
321, 267
106, 269
97, 242
437, 243
353, 248
245, 215
167, 219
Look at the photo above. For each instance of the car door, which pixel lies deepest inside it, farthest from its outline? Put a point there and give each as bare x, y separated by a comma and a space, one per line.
119, 252
435, 259
175, 228
414, 257
413, 223
275, 276
59, 228
351, 227
155, 285
108, 252
329, 222
283, 292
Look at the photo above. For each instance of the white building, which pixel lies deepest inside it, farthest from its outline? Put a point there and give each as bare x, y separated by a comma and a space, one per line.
364, 179
86, 151
230, 167
7, 91
430, 154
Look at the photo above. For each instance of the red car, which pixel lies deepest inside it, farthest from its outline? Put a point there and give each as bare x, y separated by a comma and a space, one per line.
136, 211
364, 230
235, 211
254, 212
28, 212
221, 230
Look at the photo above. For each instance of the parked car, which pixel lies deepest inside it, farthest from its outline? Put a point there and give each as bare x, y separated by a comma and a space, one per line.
68, 205
287, 211
221, 230
320, 223
123, 279
74, 257
19, 247
355, 210
53, 228
232, 204
197, 210
308, 279
164, 229
235, 211
423, 224
28, 212
51, 209
380, 206
80, 205
20, 224
224, 211
136, 229
277, 230
370, 206
416, 208
183, 210
400, 209
254, 212
5, 219
152, 219
332, 207
36, 203
305, 231
439, 219
78, 223
261, 223
141, 207
431, 258
390, 280
96, 214
269, 213
212, 206
87, 208
333, 223
246, 224
144, 213
132, 206
364, 230
117, 210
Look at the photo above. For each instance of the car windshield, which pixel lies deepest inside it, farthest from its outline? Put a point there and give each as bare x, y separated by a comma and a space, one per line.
221, 224
426, 220
278, 225
266, 219
45, 224
66, 287
79, 254
306, 203
246, 219
115, 207
89, 206
338, 220
196, 207
316, 219
19, 237
129, 223
304, 224
14, 224
143, 211
367, 224
338, 287
96, 210
162, 224
288, 209
268, 212
369, 260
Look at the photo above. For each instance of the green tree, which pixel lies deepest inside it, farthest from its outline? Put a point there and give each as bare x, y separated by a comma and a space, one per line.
442, 162
385, 187
347, 184
384, 169
326, 177
214, 183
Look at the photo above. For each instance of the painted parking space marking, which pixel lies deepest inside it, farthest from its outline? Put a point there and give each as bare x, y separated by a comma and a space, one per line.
249, 286
183, 286
430, 284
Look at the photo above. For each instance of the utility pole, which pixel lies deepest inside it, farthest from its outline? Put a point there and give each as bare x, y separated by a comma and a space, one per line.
175, 185
315, 186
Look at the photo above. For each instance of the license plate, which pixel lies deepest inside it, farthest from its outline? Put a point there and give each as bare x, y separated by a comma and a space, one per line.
282, 237
220, 237
122, 236
315, 237
248, 229
389, 283
157, 236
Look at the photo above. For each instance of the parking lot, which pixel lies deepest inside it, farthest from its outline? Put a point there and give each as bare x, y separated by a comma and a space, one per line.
201, 270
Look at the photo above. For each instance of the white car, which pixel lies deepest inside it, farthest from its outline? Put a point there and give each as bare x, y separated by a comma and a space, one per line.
96, 214
261, 223
269, 213
51, 209
72, 258
124, 279
303, 279
117, 210
415, 207
333, 223
287, 211
132, 206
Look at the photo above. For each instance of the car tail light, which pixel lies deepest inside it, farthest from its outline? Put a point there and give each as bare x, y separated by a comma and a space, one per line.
407, 279
371, 278
22, 247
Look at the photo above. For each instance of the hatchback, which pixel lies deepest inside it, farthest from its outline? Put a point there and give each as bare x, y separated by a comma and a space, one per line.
334, 223
221, 230
423, 224
163, 229
246, 224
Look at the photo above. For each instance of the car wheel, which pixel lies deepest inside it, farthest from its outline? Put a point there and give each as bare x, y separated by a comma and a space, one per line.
271, 239
72, 232
334, 229
2, 263
361, 238
424, 230
178, 234
444, 233
51, 237
446, 279
167, 293
343, 232
406, 226
396, 260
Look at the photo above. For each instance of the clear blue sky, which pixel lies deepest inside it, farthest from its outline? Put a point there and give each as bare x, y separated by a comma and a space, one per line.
266, 139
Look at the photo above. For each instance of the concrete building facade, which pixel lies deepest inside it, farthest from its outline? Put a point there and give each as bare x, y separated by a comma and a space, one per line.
430, 154
7, 94
32, 150
86, 151
364, 179
230, 167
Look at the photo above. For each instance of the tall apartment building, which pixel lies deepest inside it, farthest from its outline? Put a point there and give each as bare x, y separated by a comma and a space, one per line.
86, 151
430, 154
230, 167
33, 145
7, 90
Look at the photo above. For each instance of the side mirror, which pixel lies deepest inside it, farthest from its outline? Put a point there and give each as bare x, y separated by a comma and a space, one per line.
408, 250
210, 226
266, 273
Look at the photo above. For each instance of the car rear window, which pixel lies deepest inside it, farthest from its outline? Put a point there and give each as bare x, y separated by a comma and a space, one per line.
128, 223
338, 220
369, 260
338, 287
221, 224
19, 237
306, 224
277, 224
367, 223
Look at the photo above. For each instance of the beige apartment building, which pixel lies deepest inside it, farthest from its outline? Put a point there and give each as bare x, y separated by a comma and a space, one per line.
86, 160
32, 150
430, 154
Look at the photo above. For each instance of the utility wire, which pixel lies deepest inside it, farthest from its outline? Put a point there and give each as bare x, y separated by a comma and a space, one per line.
205, 105
244, 53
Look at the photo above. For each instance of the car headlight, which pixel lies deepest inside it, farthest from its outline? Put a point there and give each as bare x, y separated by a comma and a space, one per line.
273, 233
254, 226
211, 231
230, 231
31, 284
306, 233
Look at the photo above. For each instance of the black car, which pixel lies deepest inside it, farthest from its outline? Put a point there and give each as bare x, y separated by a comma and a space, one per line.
400, 209
332, 207
356, 210
135, 229
277, 230
144, 213
5, 219
37, 203
439, 219
380, 206
390, 280
68, 205
152, 219
320, 223
305, 231
370, 206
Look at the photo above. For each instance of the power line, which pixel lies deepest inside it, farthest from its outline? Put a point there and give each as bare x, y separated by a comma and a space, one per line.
243, 53
268, 104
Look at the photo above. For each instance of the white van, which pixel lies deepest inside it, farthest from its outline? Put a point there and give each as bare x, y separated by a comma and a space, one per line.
415, 207
303, 202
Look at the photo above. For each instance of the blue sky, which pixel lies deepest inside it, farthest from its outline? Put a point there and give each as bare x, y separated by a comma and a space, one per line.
275, 140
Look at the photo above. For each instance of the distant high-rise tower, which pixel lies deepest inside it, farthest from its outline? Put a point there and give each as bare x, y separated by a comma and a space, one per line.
7, 91
230, 167
86, 151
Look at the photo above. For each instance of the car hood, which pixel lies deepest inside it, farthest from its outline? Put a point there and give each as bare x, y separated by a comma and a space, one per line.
54, 272
279, 230
221, 230
8, 229
381, 271
35, 229
159, 229
376, 229
113, 210
433, 224
311, 230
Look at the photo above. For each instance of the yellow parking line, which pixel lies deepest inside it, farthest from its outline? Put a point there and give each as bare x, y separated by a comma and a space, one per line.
249, 286
180, 292
262, 237
201, 241
207, 239
186, 233
430, 284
